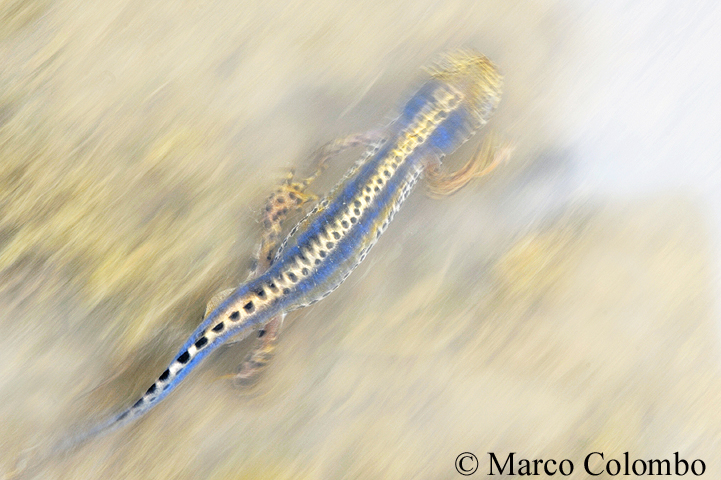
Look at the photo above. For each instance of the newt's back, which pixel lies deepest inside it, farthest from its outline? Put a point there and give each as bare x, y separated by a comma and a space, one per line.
462, 93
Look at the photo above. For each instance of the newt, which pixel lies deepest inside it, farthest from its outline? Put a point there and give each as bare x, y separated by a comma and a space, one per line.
323, 249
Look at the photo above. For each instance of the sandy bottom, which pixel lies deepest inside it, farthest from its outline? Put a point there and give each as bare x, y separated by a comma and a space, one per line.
532, 312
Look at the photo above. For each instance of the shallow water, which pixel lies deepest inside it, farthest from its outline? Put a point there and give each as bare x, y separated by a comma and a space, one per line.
563, 305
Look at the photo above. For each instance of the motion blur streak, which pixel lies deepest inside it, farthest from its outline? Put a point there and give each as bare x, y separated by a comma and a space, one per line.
566, 306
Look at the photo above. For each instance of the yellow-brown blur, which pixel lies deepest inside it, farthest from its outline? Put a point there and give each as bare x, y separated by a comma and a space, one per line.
563, 304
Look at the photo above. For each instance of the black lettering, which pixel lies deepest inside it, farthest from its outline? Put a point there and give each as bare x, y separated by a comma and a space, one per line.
625, 463
693, 467
633, 467
659, 463
585, 463
685, 465
545, 468
608, 467
524, 467
509, 461
563, 470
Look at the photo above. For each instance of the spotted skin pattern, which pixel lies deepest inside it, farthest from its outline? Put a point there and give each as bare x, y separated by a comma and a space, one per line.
289, 198
327, 245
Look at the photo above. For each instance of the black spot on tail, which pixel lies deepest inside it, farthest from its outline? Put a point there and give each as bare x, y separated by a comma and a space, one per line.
234, 316
249, 307
218, 327
201, 342
164, 376
151, 390
184, 357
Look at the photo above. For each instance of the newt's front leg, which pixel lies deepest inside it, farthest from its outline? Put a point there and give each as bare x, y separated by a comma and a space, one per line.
490, 154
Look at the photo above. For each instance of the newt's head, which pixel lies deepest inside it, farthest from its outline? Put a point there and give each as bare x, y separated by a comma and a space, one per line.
458, 99
475, 77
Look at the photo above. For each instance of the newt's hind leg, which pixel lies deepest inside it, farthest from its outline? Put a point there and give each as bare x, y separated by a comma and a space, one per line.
490, 154
262, 353
287, 199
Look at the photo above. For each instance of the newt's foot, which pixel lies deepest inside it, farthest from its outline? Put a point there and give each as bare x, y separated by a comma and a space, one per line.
258, 359
490, 154
288, 199
216, 300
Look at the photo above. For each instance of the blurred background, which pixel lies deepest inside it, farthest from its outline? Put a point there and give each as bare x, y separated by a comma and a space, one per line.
563, 305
